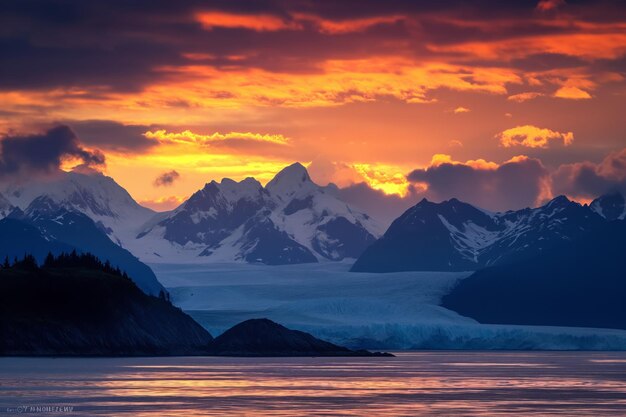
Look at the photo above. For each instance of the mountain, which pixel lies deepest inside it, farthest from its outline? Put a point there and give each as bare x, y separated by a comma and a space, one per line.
611, 206
456, 236
46, 226
579, 282
86, 310
263, 337
291, 220
97, 196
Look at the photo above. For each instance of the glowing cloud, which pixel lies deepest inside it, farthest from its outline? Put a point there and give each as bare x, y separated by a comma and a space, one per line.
572, 93
521, 97
461, 110
260, 23
188, 136
532, 137
384, 178
163, 203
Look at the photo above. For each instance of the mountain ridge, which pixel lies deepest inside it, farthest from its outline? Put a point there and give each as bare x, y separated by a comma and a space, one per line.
456, 236
290, 220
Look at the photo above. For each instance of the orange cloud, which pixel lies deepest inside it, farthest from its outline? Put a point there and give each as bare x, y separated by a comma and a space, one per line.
521, 97
338, 82
348, 25
599, 42
189, 137
461, 110
260, 23
532, 137
440, 159
573, 93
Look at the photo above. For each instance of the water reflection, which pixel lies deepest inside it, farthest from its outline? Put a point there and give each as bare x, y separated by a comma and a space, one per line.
417, 383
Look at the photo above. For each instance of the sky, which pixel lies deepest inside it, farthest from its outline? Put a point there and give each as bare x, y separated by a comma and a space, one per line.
501, 104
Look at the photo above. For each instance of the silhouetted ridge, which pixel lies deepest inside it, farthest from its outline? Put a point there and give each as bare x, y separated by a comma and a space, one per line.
74, 304
263, 337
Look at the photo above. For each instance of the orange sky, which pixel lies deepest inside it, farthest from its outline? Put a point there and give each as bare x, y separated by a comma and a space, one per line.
367, 93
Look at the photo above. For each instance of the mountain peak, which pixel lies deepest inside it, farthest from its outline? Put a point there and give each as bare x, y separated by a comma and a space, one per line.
295, 170
290, 180
560, 200
611, 206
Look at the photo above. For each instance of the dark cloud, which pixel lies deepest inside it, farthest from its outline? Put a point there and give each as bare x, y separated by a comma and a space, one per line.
382, 207
114, 136
44, 152
521, 182
116, 45
166, 179
588, 180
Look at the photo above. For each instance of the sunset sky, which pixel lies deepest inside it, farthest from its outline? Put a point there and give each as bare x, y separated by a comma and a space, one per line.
502, 104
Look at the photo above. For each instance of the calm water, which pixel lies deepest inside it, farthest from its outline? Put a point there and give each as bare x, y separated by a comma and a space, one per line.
412, 384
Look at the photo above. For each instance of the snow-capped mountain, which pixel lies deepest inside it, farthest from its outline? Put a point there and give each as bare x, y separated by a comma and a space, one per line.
291, 220
456, 236
97, 196
610, 206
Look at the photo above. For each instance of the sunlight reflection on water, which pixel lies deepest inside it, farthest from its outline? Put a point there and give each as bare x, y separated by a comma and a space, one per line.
413, 383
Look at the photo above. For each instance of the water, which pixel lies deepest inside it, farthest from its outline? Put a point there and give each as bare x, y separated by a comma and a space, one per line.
413, 383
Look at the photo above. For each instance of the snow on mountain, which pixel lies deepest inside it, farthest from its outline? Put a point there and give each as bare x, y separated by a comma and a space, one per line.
48, 226
456, 236
5, 206
610, 206
291, 220
95, 195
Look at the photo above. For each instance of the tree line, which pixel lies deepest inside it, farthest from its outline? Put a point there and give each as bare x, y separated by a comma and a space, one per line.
72, 259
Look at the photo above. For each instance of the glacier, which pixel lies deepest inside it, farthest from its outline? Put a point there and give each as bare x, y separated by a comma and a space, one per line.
360, 310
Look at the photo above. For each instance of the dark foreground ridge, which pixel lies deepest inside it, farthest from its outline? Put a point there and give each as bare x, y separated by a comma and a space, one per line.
71, 306
263, 337
75, 305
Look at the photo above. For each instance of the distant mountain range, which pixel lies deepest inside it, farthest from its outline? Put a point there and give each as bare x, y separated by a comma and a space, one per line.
291, 220
456, 236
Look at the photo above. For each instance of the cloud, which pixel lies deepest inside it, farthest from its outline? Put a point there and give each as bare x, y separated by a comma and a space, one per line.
587, 180
521, 97
533, 137
190, 137
549, 5
572, 93
163, 203
518, 182
166, 179
383, 207
45, 152
256, 22
323, 172
385, 178
113, 136
461, 110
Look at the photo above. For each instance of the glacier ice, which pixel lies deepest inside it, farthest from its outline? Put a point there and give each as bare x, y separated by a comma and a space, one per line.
359, 310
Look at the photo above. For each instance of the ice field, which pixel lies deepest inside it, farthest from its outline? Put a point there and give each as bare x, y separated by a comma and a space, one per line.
359, 310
